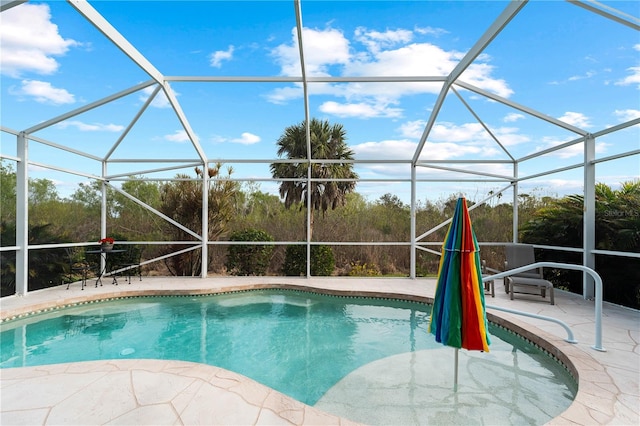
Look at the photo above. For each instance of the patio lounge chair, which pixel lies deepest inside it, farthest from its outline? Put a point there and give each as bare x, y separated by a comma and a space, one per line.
521, 255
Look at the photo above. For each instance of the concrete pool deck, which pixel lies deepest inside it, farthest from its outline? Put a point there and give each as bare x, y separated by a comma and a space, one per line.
171, 392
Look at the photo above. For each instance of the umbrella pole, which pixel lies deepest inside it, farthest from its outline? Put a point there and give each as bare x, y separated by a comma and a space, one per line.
455, 373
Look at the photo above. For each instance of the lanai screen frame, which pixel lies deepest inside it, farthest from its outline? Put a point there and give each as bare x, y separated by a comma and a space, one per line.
451, 85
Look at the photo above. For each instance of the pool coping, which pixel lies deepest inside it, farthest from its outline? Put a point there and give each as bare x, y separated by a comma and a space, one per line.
597, 392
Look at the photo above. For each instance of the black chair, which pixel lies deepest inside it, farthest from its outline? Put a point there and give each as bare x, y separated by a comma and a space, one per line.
130, 262
78, 267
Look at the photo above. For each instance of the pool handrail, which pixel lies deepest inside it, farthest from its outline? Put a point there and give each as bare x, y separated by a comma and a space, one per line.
598, 296
570, 338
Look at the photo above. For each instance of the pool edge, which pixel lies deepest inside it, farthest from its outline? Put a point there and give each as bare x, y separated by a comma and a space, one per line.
581, 364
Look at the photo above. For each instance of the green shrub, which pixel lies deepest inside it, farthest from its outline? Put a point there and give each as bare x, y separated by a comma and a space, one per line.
249, 259
364, 270
295, 260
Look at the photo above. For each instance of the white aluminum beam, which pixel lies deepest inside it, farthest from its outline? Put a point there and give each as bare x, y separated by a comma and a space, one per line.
204, 248
498, 25
307, 120
550, 172
22, 216
515, 218
615, 15
522, 108
10, 131
310, 79
616, 156
98, 21
549, 150
88, 107
466, 171
617, 127
475, 206
133, 122
479, 120
185, 123
432, 119
492, 32
64, 170
190, 165
156, 160
589, 217
8, 4
414, 197
64, 148
157, 213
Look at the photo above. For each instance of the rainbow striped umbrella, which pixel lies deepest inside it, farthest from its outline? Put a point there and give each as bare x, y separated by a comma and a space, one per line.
458, 317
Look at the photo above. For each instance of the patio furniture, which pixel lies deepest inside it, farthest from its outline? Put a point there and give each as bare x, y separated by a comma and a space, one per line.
105, 254
489, 286
131, 262
78, 265
521, 255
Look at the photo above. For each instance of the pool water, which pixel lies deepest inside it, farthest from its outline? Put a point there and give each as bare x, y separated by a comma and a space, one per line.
299, 343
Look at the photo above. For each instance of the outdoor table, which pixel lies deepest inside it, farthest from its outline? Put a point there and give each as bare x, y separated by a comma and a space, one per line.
103, 269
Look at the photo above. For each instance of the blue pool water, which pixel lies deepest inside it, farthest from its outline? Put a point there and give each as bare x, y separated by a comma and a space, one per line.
298, 343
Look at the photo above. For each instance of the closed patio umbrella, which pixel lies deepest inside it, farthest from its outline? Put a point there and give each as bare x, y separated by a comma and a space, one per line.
458, 317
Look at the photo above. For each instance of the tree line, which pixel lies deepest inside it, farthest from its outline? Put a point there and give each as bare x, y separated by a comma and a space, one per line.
242, 212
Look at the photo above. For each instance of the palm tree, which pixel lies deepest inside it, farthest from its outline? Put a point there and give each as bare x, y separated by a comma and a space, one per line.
327, 143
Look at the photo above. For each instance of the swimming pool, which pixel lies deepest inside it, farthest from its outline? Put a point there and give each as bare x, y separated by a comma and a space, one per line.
309, 346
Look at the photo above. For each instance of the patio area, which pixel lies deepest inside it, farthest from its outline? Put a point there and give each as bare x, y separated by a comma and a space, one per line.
171, 392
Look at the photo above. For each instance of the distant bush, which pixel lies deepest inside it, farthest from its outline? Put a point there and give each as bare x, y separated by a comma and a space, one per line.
295, 260
249, 259
364, 270
617, 228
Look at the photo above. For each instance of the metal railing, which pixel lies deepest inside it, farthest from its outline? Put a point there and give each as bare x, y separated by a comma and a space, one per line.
598, 297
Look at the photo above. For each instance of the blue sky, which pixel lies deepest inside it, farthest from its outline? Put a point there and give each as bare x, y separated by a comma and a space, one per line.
553, 57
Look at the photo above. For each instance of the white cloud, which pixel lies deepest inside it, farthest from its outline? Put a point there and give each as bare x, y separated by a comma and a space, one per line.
94, 127
513, 116
634, 78
409, 60
576, 119
179, 136
375, 40
323, 48
405, 149
627, 114
30, 41
216, 58
389, 149
282, 95
479, 75
43, 92
430, 31
466, 134
449, 132
412, 129
361, 110
636, 47
247, 139
475, 134
586, 75
374, 53
447, 141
